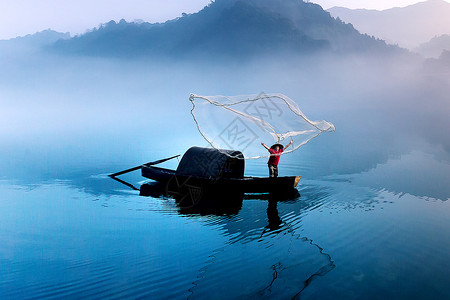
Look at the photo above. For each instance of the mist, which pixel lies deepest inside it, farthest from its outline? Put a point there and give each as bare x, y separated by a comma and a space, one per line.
65, 115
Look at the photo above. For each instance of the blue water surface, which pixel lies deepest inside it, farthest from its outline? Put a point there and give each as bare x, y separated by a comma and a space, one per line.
371, 219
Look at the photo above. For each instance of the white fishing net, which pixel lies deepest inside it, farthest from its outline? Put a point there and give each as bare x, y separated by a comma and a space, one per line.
244, 122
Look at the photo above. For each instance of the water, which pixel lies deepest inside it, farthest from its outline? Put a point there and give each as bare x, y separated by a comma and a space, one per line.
371, 219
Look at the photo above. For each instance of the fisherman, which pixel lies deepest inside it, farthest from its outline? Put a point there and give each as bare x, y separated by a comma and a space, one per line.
275, 152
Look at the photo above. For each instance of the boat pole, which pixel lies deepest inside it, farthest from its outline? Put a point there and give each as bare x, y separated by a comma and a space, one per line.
138, 167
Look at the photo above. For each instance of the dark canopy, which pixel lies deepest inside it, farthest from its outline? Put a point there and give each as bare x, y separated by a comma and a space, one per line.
211, 163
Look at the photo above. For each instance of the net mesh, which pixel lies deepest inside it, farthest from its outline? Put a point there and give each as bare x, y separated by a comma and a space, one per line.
244, 122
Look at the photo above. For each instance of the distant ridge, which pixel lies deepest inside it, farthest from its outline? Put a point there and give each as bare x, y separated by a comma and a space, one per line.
441, 64
435, 46
40, 38
31, 42
408, 26
227, 28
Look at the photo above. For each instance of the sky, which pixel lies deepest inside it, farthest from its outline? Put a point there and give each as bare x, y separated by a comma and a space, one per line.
367, 4
22, 17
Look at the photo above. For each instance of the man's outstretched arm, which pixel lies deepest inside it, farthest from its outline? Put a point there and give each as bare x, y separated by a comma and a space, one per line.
264, 145
290, 143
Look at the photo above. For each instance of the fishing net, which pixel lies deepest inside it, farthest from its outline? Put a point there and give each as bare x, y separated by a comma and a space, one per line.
243, 122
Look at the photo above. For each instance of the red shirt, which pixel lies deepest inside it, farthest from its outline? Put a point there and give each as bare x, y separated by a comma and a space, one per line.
274, 159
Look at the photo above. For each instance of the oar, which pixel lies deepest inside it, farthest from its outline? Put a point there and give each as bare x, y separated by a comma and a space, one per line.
126, 183
138, 167
160, 161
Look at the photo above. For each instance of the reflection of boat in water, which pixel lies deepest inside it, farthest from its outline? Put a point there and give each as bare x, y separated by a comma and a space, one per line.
194, 200
218, 170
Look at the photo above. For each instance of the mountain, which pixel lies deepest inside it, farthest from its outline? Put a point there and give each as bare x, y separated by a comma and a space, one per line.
42, 38
435, 46
227, 28
408, 26
441, 64
31, 42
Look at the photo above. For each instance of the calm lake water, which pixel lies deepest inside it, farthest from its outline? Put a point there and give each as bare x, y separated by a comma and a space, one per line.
371, 220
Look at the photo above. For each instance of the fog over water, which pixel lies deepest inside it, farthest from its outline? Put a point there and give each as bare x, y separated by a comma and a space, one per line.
372, 207
62, 114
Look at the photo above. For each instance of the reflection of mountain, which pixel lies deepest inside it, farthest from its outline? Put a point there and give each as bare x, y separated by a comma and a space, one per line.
417, 173
435, 46
408, 26
227, 28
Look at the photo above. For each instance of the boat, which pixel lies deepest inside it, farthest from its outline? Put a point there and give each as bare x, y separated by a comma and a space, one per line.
215, 170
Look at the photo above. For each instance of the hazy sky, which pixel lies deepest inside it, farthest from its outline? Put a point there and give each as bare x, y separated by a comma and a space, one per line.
21, 17
368, 4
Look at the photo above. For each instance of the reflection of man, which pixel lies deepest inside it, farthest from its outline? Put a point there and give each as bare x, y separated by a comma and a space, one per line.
275, 152
272, 214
